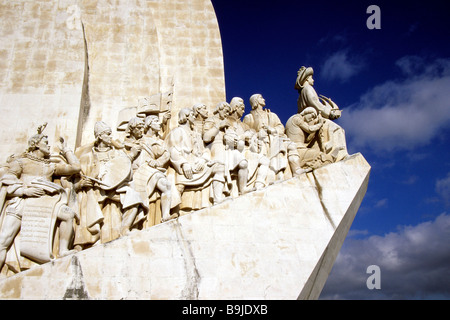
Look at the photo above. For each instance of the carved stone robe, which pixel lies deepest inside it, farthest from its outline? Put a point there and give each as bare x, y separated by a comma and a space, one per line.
186, 146
101, 207
277, 146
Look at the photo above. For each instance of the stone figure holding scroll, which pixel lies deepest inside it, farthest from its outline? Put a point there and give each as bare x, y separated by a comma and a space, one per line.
194, 170
34, 202
109, 205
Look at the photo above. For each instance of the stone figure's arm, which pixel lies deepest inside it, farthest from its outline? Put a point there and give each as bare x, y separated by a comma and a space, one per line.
210, 130
174, 143
248, 121
276, 124
309, 128
164, 155
133, 150
312, 100
14, 186
72, 167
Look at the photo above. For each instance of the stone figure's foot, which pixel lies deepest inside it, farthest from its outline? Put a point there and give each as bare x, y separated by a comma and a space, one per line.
171, 217
247, 190
301, 171
65, 253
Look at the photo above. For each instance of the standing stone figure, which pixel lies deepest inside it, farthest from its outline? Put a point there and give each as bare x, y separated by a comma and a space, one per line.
224, 147
108, 204
191, 161
34, 202
270, 129
150, 162
332, 135
258, 163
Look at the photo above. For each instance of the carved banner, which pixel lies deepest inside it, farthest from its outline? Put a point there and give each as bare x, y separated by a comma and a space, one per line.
38, 224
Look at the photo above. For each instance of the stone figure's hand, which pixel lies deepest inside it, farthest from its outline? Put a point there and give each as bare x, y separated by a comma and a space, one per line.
199, 166
33, 192
86, 183
136, 149
335, 114
187, 170
223, 124
62, 145
166, 117
152, 163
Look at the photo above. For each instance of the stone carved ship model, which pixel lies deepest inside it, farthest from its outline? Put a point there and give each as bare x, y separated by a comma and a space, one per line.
183, 203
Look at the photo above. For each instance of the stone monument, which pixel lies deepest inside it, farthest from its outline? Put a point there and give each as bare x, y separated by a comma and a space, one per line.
157, 187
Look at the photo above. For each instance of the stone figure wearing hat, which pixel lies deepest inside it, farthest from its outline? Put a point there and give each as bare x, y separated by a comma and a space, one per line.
308, 96
109, 206
331, 136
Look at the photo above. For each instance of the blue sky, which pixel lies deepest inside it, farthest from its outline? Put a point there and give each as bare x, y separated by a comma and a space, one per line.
393, 84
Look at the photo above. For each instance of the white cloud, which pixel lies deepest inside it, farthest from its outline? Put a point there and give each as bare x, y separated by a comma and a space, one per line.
402, 115
381, 203
339, 66
414, 264
443, 189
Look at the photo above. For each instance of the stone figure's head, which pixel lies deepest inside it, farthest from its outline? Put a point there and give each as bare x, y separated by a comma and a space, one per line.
222, 110
102, 133
152, 122
135, 127
304, 74
257, 100
186, 115
200, 109
39, 141
309, 114
237, 106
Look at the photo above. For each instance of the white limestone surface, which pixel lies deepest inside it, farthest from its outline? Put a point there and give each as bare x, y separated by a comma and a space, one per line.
74, 62
276, 243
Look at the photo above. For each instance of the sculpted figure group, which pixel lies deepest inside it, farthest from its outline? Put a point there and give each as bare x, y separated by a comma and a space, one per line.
52, 206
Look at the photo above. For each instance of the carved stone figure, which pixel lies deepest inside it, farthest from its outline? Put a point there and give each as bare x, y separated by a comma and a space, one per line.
305, 130
258, 163
308, 96
270, 130
224, 147
150, 161
109, 205
34, 202
200, 114
193, 168
333, 136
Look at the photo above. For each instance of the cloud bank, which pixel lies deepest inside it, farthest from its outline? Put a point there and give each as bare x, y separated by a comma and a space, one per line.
405, 114
414, 264
339, 66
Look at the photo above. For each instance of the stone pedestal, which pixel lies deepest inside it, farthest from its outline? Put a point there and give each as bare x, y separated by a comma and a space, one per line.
276, 243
